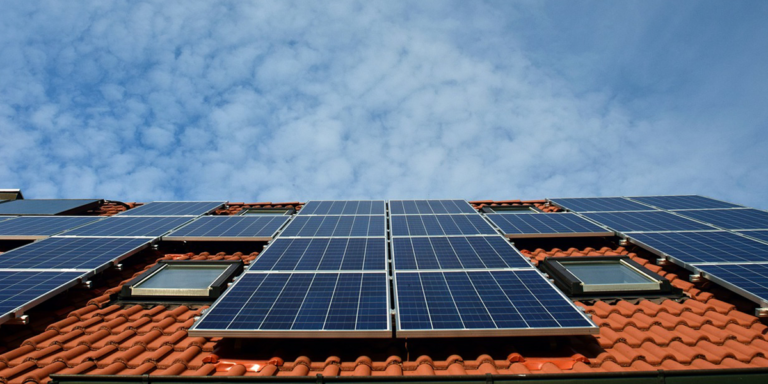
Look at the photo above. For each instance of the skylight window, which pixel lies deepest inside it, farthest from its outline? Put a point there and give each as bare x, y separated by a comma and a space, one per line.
188, 279
604, 276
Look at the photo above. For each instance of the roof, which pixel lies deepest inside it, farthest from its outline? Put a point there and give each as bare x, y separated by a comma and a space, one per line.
91, 333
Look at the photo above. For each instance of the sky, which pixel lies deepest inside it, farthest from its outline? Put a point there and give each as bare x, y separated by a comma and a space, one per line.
292, 101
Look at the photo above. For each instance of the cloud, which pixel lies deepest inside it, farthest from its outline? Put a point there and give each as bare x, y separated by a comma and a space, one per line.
274, 101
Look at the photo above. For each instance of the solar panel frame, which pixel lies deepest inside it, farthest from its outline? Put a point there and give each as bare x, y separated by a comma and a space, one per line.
430, 207
281, 255
680, 202
696, 248
205, 227
451, 253
30, 207
646, 221
129, 226
173, 208
46, 284
546, 224
41, 227
599, 204
440, 225
342, 226
749, 280
734, 219
478, 312
319, 303
757, 235
343, 207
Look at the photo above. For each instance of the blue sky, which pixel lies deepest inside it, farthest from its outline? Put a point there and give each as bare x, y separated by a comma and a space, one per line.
275, 101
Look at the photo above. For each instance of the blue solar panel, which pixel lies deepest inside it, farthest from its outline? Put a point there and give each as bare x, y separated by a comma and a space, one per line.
336, 226
731, 218
484, 303
229, 228
440, 225
655, 221
429, 207
683, 202
323, 255
455, 253
129, 226
546, 225
174, 208
600, 204
704, 247
21, 290
301, 305
351, 207
31, 227
749, 280
70, 253
760, 235
45, 207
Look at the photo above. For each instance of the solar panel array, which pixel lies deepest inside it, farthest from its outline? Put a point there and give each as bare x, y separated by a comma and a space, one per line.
731, 218
152, 226
749, 280
704, 247
80, 253
456, 252
759, 235
173, 208
45, 207
40, 227
23, 289
337, 226
440, 225
546, 225
683, 202
225, 228
600, 204
654, 221
429, 207
323, 254
352, 207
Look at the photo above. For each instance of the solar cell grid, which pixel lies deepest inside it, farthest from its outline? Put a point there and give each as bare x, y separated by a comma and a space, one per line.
600, 204
22, 289
317, 254
731, 218
129, 227
683, 202
336, 226
760, 235
342, 207
301, 305
440, 225
173, 208
32, 227
229, 227
70, 253
704, 247
477, 252
541, 225
429, 207
655, 221
749, 280
45, 207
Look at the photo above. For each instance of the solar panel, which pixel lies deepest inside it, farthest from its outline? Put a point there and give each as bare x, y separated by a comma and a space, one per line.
484, 303
704, 247
71, 253
655, 221
420, 253
546, 225
40, 227
748, 280
316, 254
429, 207
47, 207
129, 227
22, 290
600, 204
683, 202
440, 225
173, 208
351, 207
731, 218
301, 305
760, 235
336, 226
221, 228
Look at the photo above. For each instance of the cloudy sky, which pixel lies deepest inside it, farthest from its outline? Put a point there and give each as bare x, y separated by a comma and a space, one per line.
276, 101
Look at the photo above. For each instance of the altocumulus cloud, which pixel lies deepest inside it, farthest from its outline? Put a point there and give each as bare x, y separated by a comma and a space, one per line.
296, 100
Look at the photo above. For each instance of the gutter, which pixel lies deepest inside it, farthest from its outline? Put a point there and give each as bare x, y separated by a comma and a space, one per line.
693, 376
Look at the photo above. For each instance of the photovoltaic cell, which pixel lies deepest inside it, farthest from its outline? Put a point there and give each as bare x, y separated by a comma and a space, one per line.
316, 254
229, 227
705, 247
546, 225
600, 204
440, 225
760, 235
174, 208
32, 227
336, 226
351, 207
70, 253
683, 202
655, 221
301, 305
129, 226
429, 207
749, 280
44, 207
731, 218
23, 289
483, 303
420, 253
